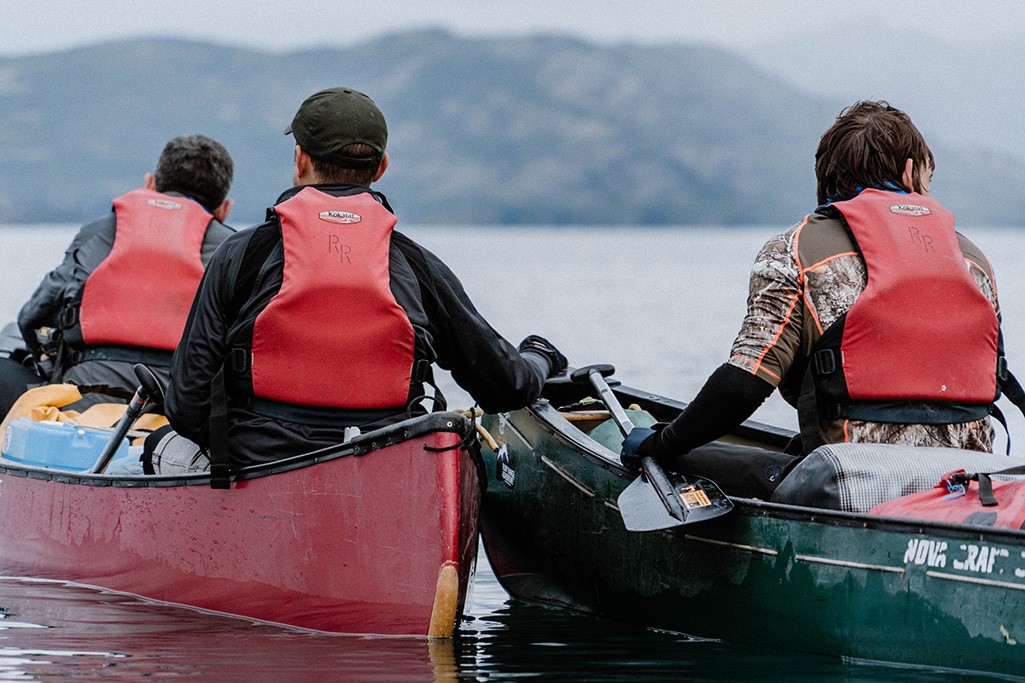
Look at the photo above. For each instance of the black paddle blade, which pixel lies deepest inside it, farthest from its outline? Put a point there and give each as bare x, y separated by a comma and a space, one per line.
643, 509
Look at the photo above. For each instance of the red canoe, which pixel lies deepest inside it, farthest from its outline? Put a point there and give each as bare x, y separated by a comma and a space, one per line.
377, 536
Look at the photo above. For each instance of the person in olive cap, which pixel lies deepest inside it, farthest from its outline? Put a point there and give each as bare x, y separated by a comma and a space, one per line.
324, 317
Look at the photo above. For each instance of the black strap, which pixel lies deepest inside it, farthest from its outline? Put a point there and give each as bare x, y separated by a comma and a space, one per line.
67, 355
1012, 388
986, 496
423, 372
995, 411
322, 416
220, 465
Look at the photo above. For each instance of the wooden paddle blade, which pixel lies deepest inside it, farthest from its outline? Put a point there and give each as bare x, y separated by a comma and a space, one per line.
643, 509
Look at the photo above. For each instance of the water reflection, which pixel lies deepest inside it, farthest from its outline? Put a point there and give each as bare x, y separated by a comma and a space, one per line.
51, 629
521, 641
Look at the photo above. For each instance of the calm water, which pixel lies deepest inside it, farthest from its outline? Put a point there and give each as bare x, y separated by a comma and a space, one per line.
661, 305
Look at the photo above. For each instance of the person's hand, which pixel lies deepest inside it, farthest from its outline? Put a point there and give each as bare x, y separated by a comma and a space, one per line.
541, 346
637, 445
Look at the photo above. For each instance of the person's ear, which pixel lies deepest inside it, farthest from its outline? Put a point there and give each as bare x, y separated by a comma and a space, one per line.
222, 211
382, 168
301, 168
908, 177
150, 183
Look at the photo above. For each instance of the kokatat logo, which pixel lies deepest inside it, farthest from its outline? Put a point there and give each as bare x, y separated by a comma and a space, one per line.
910, 210
343, 217
164, 204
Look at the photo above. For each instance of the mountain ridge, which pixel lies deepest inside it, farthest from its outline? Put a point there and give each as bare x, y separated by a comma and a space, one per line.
540, 129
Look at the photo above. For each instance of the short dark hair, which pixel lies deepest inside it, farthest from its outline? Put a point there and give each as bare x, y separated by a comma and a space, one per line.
342, 175
196, 166
867, 146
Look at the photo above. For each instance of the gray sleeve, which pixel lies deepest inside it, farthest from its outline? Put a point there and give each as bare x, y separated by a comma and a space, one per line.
216, 233
87, 250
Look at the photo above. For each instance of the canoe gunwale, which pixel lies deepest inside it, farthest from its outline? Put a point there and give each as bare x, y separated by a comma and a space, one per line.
863, 587
363, 445
549, 418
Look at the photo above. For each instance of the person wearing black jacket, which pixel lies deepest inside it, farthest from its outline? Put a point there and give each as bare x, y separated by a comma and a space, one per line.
324, 317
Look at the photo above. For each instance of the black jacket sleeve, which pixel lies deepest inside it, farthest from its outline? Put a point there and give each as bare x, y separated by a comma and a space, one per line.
729, 396
205, 342
481, 361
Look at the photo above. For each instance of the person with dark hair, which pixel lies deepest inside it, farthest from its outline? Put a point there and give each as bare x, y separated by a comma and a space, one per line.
123, 291
873, 317
325, 319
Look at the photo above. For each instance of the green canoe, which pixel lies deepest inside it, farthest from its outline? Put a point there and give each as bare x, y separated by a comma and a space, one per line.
766, 574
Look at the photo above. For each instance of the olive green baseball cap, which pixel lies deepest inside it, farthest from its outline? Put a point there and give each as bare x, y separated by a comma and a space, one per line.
330, 119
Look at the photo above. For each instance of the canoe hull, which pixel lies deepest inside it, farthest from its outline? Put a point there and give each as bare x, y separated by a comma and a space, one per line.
373, 538
765, 574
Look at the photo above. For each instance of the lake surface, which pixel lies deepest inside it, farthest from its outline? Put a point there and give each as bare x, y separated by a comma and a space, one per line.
662, 305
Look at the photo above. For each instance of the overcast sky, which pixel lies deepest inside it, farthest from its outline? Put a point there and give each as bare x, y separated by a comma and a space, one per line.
28, 26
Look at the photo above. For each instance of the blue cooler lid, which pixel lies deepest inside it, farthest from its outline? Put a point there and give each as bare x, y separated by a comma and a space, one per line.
60, 445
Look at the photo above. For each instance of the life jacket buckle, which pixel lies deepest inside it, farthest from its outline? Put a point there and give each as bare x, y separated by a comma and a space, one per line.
825, 362
68, 317
220, 475
421, 370
1002, 368
239, 360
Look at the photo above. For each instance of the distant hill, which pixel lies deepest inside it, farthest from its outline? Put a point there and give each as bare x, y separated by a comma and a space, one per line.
535, 130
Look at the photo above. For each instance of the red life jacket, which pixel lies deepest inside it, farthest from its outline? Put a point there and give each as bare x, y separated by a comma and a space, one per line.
921, 331
334, 335
141, 293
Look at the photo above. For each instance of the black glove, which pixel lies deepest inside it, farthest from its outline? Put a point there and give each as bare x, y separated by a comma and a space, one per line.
640, 443
542, 347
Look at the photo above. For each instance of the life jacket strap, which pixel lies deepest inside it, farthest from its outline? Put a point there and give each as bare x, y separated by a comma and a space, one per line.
423, 373
323, 416
220, 463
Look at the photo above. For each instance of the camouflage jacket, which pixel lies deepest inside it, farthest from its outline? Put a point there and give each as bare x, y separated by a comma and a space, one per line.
802, 281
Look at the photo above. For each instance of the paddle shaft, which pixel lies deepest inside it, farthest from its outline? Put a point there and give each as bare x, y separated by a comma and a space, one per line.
149, 389
133, 411
652, 470
610, 401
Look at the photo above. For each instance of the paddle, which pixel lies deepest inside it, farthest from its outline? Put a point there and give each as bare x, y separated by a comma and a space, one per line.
149, 391
654, 501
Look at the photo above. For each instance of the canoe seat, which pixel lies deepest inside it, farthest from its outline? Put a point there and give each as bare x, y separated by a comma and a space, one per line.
578, 416
856, 477
605, 431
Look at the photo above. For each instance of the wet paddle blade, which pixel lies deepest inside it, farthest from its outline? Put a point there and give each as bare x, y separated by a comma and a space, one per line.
643, 509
